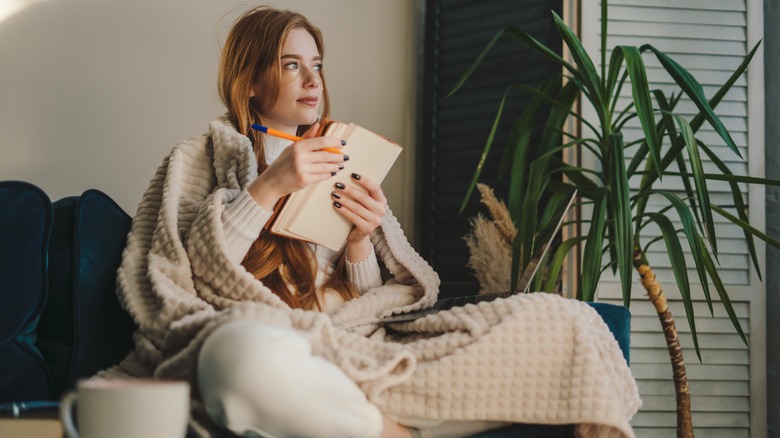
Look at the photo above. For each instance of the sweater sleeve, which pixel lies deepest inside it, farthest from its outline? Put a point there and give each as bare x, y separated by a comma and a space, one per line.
243, 219
365, 275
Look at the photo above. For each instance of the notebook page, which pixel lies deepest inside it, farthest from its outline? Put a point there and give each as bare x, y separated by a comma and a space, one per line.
369, 155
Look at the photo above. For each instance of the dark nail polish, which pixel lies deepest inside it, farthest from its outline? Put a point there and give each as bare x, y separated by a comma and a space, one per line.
346, 157
341, 167
340, 185
356, 176
336, 195
337, 205
333, 174
343, 143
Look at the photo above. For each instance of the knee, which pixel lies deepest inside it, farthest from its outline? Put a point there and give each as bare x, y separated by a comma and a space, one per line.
243, 367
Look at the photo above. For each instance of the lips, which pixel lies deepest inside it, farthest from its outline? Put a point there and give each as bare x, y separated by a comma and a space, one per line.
311, 101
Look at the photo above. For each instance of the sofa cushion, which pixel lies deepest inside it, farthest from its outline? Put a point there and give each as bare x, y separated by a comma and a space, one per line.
103, 330
25, 221
84, 329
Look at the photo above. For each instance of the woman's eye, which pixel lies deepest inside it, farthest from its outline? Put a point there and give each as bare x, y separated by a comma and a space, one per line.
291, 66
317, 67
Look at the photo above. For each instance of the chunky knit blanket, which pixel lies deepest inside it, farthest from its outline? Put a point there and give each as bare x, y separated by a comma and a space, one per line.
534, 358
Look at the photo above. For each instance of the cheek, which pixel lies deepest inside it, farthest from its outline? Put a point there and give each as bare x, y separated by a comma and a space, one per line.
286, 97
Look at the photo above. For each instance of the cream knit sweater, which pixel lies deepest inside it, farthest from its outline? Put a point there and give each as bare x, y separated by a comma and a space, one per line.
535, 358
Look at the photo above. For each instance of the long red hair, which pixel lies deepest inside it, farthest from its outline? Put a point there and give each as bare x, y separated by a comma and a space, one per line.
252, 53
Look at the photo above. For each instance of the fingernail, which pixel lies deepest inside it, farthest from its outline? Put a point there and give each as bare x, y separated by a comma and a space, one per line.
337, 205
333, 174
341, 167
340, 185
356, 176
343, 142
346, 157
336, 195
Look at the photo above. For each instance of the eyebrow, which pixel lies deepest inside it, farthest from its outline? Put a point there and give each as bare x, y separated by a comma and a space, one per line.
316, 58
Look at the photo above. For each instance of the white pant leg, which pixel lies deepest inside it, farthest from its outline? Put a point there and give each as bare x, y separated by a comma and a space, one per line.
256, 378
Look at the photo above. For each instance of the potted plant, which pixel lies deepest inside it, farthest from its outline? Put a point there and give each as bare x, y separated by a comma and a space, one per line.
617, 236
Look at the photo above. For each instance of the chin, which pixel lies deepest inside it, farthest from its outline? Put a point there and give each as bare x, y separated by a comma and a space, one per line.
310, 120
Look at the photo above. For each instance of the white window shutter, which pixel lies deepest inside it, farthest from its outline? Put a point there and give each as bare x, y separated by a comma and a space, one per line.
709, 38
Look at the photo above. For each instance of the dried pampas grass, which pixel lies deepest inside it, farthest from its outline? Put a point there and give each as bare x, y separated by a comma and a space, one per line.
499, 212
490, 244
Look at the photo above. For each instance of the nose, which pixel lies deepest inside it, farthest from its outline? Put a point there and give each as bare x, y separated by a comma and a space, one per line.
311, 78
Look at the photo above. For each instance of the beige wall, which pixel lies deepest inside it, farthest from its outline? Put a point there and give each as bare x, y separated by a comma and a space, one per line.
93, 93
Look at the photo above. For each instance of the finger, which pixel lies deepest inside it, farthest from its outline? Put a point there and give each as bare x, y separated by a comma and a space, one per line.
322, 168
371, 186
328, 144
321, 156
363, 226
371, 213
361, 203
314, 177
360, 196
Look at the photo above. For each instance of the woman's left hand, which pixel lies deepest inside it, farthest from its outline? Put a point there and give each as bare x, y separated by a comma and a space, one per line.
364, 209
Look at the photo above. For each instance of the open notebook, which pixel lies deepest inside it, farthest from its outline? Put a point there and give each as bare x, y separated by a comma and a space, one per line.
524, 284
308, 214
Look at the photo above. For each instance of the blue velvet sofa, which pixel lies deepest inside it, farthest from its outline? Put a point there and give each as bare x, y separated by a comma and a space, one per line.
60, 319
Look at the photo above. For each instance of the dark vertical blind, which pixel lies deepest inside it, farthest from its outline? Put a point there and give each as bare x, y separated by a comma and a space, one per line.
453, 130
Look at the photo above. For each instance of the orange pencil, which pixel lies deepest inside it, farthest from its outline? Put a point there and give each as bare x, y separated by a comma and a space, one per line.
286, 136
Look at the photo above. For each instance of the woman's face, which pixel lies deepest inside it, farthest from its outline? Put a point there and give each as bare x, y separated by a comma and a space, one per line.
300, 88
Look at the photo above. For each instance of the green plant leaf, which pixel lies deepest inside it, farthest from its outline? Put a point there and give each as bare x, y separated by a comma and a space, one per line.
518, 147
615, 65
699, 180
693, 89
639, 157
524, 38
669, 127
739, 178
552, 213
666, 114
529, 227
556, 264
642, 101
569, 93
729, 177
746, 226
577, 176
739, 203
699, 119
620, 203
592, 253
694, 241
712, 270
587, 71
485, 152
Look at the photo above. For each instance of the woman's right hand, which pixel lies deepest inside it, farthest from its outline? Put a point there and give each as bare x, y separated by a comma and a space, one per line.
300, 164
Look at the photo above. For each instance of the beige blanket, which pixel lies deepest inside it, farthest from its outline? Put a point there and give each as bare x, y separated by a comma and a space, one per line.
534, 358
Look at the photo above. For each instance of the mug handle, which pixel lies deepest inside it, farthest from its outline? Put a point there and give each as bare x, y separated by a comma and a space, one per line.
66, 416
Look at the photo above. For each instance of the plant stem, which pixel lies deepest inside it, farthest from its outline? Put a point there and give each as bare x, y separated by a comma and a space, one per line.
681, 389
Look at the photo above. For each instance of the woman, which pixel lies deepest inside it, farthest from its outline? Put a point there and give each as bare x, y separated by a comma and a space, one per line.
282, 86
281, 338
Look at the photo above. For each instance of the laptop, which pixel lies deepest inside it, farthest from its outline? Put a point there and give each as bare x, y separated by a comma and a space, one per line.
525, 280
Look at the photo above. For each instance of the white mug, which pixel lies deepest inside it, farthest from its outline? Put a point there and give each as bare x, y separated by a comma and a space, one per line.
127, 408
